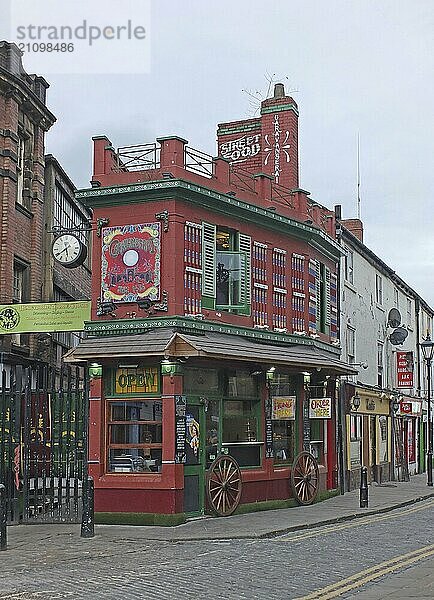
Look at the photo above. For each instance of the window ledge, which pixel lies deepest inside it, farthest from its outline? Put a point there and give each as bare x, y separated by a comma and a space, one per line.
380, 307
350, 286
23, 210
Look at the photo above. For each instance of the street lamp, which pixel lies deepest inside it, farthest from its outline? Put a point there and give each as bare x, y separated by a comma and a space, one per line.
428, 350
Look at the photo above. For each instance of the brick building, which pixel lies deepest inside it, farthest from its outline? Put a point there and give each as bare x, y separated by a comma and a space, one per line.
214, 323
28, 210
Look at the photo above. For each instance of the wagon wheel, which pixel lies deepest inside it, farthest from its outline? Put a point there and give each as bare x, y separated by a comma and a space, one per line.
223, 485
304, 478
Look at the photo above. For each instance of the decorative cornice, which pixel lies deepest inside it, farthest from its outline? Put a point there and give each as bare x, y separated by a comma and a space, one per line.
214, 201
241, 128
279, 108
128, 326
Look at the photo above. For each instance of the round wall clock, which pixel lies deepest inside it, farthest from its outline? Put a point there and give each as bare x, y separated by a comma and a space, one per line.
69, 251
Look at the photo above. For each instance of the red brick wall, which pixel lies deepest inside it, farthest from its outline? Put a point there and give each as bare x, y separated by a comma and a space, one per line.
172, 255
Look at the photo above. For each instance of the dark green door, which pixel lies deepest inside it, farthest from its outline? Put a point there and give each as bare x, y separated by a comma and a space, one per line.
194, 469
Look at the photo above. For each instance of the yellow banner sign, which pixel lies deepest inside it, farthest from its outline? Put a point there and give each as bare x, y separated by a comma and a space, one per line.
130, 380
283, 408
44, 317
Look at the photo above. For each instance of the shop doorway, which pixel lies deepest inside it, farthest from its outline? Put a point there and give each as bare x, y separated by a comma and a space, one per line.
194, 468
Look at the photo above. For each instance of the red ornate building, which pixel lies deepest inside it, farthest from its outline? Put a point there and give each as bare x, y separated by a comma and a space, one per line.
214, 320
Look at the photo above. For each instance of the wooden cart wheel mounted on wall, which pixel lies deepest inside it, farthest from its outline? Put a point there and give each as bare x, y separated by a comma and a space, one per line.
223, 485
304, 478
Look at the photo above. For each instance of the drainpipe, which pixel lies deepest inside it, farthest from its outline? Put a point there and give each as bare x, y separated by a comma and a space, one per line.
342, 385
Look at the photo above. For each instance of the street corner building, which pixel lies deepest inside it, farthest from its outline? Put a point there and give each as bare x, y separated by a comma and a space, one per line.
213, 348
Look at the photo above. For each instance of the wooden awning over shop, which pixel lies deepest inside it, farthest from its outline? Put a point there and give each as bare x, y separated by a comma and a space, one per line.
168, 343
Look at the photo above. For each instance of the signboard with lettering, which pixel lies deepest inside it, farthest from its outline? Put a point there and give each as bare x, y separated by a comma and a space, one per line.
44, 317
134, 380
241, 149
130, 263
410, 407
269, 446
320, 408
180, 429
404, 369
283, 408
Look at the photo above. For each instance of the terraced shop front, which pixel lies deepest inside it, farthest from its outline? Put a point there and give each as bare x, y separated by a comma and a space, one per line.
180, 400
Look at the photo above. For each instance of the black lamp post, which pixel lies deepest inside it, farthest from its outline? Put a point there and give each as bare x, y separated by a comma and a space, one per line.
428, 350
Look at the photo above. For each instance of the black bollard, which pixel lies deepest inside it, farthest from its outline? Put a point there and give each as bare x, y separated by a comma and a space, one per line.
3, 530
87, 519
364, 488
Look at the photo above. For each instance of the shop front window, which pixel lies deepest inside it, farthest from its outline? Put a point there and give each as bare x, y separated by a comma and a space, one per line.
355, 441
241, 423
384, 454
134, 436
212, 431
282, 390
240, 432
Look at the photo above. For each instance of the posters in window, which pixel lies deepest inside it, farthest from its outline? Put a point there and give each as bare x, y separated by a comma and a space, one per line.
283, 408
320, 408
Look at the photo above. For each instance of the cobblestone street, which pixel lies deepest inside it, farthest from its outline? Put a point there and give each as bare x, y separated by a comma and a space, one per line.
46, 564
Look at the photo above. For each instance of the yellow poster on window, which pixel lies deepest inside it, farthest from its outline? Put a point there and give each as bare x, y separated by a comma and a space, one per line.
283, 408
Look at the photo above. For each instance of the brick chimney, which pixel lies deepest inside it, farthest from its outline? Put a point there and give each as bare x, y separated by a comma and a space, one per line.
266, 144
354, 226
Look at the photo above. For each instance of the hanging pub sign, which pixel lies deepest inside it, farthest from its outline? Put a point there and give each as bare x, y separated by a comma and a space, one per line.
404, 369
283, 408
130, 263
133, 380
320, 408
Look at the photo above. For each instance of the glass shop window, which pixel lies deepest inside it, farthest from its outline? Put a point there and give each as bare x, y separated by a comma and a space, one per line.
201, 381
241, 422
355, 440
212, 441
383, 437
135, 436
283, 393
317, 439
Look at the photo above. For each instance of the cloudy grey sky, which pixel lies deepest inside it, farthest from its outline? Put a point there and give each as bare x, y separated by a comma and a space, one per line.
358, 66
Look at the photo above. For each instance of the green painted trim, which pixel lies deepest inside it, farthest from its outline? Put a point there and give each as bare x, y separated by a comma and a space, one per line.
128, 326
279, 108
208, 302
112, 518
266, 505
206, 197
278, 504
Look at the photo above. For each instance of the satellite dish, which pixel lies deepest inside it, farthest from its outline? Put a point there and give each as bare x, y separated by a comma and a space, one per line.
394, 318
398, 336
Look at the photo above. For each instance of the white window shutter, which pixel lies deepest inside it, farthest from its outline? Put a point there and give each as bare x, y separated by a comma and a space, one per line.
327, 296
208, 259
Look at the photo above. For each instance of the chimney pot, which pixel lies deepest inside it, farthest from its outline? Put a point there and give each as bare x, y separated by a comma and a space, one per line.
279, 90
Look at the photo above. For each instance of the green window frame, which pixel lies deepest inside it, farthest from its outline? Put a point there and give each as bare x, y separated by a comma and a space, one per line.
234, 260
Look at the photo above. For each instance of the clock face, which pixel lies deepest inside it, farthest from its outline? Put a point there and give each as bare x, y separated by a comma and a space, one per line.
69, 250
